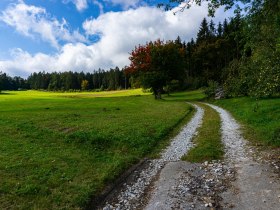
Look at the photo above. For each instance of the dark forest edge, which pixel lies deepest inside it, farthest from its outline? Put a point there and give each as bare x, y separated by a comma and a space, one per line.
240, 55
113, 79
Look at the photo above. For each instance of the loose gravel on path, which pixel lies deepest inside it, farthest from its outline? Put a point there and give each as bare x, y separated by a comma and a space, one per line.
238, 182
183, 185
131, 196
256, 186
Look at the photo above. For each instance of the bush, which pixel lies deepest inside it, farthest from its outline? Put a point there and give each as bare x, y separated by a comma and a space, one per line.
257, 76
174, 85
238, 79
211, 89
267, 76
193, 83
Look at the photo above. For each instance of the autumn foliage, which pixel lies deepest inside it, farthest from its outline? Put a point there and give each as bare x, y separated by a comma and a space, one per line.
156, 64
140, 59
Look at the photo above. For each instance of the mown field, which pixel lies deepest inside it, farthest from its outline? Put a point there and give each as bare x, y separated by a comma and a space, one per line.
59, 149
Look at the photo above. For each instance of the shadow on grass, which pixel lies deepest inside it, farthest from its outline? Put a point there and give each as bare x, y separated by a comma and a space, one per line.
5, 93
186, 96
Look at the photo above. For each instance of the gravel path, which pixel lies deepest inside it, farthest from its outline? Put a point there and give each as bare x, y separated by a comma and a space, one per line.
131, 196
256, 186
238, 182
183, 185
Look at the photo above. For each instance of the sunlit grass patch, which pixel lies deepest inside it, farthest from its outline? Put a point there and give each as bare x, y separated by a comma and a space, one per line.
46, 94
56, 152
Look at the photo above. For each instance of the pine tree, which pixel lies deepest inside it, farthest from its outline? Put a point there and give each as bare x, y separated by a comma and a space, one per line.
225, 28
220, 30
178, 41
212, 29
203, 33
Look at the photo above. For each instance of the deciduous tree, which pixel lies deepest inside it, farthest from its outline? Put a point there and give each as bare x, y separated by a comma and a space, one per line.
157, 64
84, 85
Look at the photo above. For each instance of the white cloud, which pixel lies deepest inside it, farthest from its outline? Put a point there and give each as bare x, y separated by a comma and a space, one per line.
32, 21
80, 4
119, 33
78, 57
83, 4
100, 6
125, 3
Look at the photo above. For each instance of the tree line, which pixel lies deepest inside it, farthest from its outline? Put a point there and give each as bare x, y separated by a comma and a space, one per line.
177, 64
12, 83
68, 81
240, 54
104, 80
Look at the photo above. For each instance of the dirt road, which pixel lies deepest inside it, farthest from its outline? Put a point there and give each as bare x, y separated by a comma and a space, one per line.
237, 182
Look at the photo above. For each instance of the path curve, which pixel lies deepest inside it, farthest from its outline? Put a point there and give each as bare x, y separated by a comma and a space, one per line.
238, 182
256, 186
130, 196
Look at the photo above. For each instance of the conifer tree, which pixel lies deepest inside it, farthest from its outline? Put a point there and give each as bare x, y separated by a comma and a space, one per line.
203, 33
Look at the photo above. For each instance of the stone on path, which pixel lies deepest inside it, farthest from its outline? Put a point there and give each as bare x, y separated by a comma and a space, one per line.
256, 186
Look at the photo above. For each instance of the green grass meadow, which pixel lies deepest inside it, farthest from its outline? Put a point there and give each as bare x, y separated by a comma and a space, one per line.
57, 150
260, 118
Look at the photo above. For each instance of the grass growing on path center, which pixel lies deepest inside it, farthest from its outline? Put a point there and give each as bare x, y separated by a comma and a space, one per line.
208, 145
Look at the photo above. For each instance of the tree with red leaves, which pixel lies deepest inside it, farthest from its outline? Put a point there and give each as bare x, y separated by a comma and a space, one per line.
156, 64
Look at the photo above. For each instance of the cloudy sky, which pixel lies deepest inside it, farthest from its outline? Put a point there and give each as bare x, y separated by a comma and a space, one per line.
84, 35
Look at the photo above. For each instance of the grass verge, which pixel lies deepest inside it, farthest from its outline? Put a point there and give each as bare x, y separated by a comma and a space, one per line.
208, 145
260, 118
165, 142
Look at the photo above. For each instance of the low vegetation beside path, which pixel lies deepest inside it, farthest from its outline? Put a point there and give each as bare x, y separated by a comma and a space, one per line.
260, 118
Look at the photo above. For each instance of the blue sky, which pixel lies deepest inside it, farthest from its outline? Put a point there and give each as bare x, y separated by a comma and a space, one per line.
84, 35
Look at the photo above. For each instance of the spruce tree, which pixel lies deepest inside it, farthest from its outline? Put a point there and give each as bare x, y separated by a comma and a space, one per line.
203, 33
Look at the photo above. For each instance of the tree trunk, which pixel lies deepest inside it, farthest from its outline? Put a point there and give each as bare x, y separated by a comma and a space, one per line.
157, 93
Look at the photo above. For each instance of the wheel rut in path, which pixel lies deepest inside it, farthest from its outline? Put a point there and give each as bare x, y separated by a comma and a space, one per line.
238, 182
184, 185
131, 194
256, 187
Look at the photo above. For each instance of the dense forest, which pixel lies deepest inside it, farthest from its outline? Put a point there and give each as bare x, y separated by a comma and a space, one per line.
68, 81
104, 80
241, 54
